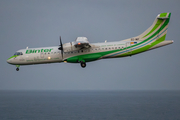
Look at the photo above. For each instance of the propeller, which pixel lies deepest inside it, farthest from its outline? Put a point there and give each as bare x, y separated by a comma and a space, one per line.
61, 47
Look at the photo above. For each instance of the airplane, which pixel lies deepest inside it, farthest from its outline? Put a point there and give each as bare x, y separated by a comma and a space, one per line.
82, 51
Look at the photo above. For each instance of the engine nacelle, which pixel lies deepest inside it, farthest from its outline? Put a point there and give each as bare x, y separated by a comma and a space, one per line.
67, 47
79, 43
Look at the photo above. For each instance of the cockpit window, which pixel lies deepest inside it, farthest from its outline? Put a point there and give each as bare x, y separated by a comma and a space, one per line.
18, 53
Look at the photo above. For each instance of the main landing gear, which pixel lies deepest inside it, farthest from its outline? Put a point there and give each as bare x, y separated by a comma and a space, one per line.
83, 64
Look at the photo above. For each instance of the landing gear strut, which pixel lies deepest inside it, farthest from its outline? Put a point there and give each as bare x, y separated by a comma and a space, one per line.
17, 69
83, 64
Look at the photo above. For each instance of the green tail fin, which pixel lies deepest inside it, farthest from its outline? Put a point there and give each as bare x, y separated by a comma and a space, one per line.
160, 24
157, 29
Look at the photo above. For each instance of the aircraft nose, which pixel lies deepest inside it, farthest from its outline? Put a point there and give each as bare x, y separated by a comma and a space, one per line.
12, 60
8, 61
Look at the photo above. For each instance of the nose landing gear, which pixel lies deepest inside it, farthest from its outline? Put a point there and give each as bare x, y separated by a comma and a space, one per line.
17, 69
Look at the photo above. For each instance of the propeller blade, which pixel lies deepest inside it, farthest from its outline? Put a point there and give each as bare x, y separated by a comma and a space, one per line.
60, 42
61, 47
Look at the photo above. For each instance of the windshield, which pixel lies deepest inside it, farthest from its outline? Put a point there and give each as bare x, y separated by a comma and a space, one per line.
18, 53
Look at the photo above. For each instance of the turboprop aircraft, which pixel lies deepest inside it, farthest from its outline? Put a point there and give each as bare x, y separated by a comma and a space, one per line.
82, 51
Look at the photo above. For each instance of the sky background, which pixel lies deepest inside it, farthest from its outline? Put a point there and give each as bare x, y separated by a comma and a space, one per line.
39, 23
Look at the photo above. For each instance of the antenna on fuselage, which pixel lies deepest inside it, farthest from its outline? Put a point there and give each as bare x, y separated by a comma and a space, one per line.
27, 47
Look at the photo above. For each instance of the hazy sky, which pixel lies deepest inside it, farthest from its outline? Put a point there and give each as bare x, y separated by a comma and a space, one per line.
39, 23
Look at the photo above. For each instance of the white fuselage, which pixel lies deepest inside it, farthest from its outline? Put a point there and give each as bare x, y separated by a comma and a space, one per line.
53, 54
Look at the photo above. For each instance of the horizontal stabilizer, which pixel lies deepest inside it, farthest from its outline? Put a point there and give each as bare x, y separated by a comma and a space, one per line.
166, 42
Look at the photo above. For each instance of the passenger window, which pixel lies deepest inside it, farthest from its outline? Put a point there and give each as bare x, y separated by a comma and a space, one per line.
112, 47
81, 50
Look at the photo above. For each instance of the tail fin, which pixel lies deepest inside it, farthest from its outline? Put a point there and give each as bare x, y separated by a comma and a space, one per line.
160, 24
158, 29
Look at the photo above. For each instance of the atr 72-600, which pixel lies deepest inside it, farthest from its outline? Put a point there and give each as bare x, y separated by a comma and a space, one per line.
81, 51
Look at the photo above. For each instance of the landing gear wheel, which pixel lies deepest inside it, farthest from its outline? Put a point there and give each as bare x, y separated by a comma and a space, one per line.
17, 69
83, 64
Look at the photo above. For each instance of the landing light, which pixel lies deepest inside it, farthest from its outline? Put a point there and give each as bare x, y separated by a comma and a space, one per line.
79, 43
49, 58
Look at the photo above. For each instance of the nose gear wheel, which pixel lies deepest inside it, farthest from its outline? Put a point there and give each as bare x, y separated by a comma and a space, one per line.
17, 69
